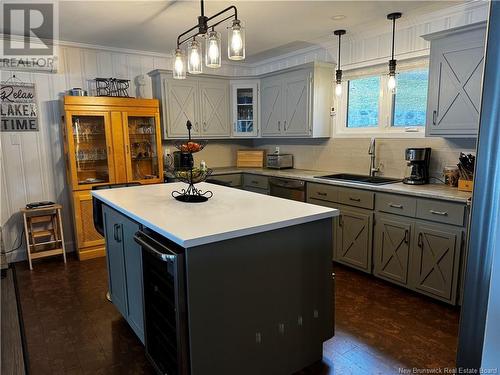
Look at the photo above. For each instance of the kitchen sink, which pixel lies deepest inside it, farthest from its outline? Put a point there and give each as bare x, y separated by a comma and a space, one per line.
376, 180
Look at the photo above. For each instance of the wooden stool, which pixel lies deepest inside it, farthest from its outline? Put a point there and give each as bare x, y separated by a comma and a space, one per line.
44, 232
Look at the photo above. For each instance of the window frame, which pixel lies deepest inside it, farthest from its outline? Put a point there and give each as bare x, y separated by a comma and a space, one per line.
387, 100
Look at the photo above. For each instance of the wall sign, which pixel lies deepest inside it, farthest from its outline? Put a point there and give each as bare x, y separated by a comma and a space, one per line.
19, 109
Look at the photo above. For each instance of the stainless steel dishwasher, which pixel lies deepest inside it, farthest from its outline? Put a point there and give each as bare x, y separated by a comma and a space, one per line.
288, 188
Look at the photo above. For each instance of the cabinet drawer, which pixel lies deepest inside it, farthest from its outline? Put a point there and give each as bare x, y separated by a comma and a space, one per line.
234, 180
255, 181
396, 204
443, 212
322, 192
356, 198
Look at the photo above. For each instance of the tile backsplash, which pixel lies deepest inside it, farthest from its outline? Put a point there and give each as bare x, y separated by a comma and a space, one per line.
351, 154
340, 154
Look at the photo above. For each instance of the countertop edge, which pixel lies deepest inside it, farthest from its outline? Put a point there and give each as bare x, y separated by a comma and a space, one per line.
375, 188
188, 243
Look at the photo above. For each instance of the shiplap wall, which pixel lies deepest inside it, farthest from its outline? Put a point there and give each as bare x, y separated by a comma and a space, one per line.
32, 164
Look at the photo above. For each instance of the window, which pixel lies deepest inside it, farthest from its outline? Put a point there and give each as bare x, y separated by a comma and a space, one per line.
410, 100
363, 102
368, 108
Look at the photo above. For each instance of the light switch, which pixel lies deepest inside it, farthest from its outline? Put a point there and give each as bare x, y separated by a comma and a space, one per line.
14, 140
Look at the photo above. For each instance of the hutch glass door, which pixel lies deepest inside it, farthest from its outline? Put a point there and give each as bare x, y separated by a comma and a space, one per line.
91, 151
143, 150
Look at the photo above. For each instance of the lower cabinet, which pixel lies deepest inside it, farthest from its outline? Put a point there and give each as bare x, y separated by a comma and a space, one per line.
419, 255
124, 260
436, 260
392, 247
353, 243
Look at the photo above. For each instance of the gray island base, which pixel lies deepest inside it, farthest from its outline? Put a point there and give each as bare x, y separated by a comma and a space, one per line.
256, 303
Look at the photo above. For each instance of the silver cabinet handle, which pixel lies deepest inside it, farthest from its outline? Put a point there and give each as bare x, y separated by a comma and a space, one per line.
394, 205
279, 126
407, 235
322, 194
434, 117
284, 126
355, 199
441, 213
419, 242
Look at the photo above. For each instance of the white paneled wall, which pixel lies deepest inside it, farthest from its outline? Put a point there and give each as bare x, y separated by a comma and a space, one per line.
32, 164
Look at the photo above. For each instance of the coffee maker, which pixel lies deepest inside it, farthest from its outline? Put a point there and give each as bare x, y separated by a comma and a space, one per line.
417, 160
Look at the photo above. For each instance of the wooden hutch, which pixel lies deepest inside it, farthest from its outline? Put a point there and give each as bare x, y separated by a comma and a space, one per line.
106, 141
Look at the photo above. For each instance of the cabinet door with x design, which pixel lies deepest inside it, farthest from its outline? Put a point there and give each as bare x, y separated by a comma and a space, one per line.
182, 105
214, 102
435, 260
354, 238
391, 248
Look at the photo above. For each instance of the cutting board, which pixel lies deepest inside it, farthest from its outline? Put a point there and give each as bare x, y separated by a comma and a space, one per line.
250, 158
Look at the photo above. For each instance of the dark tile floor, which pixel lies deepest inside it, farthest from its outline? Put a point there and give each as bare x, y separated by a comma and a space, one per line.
72, 329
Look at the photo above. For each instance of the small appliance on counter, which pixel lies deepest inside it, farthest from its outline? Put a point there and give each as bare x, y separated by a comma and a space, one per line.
417, 160
279, 161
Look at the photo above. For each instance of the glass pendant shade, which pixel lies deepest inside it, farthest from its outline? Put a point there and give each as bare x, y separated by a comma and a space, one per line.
391, 83
338, 89
179, 68
213, 50
236, 41
194, 61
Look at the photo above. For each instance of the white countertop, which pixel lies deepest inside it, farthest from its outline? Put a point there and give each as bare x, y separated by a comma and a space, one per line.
230, 213
432, 191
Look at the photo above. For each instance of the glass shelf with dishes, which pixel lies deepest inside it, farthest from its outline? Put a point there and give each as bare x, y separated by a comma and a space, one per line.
90, 149
142, 148
244, 99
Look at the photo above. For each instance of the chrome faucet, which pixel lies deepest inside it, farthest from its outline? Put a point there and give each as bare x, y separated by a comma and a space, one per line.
371, 152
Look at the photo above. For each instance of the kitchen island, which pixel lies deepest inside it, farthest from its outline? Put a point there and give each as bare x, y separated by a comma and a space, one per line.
239, 284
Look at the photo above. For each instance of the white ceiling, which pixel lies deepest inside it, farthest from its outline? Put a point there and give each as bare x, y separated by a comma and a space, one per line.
273, 27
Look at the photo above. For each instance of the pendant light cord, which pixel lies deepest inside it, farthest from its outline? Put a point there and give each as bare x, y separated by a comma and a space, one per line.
338, 64
393, 35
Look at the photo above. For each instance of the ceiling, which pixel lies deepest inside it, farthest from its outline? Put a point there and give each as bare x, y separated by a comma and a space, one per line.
273, 27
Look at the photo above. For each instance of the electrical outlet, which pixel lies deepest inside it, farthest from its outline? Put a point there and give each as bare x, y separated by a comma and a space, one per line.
277, 150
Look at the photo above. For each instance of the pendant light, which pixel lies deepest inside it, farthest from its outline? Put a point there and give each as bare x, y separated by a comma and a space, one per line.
391, 83
205, 26
179, 69
338, 72
195, 63
212, 49
236, 41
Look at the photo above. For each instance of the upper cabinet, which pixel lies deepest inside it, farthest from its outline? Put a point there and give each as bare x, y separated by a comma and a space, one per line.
245, 108
294, 102
297, 103
201, 100
214, 104
455, 75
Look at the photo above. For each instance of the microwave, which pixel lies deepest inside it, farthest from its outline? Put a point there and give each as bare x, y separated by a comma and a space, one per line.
279, 161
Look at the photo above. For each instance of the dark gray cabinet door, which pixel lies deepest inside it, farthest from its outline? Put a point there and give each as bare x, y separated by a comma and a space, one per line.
455, 84
115, 260
435, 261
354, 238
391, 248
133, 275
124, 260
